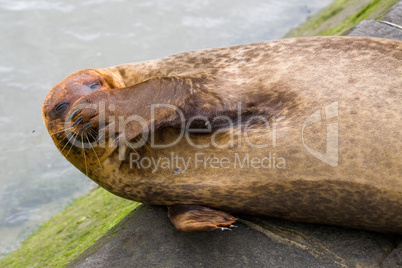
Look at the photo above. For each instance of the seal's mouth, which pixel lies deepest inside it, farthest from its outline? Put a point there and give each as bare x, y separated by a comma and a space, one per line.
86, 137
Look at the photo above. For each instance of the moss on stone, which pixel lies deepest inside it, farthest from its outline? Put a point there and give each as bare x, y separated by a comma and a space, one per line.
340, 16
65, 236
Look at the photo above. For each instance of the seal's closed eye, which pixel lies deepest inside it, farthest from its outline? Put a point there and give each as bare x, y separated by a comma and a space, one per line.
94, 86
61, 107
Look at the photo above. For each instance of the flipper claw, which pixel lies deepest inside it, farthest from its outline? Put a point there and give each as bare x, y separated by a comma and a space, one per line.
220, 228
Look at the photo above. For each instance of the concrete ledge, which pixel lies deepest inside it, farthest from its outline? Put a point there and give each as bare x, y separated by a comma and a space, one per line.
146, 238
390, 26
395, 14
381, 29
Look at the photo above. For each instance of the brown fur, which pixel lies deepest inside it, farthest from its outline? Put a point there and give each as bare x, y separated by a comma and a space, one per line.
284, 81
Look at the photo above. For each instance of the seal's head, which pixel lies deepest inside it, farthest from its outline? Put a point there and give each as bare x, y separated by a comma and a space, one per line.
58, 102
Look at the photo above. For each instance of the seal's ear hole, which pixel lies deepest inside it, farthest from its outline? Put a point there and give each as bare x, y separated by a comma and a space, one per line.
61, 107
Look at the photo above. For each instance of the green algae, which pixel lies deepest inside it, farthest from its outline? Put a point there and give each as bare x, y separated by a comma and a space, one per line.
61, 239
340, 16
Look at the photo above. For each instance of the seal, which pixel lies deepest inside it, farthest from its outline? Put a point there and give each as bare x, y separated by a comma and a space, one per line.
304, 129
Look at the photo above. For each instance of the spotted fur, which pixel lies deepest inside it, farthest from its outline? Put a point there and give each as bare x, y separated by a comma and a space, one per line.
284, 81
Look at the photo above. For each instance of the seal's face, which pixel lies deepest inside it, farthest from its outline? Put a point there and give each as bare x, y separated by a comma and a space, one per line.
58, 102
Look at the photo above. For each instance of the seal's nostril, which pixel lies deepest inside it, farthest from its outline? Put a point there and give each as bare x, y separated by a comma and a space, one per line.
72, 115
79, 120
86, 126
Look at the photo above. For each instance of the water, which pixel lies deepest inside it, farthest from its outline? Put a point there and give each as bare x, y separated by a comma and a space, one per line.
43, 41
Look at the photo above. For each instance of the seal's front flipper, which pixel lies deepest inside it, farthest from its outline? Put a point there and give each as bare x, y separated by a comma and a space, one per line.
193, 218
